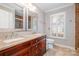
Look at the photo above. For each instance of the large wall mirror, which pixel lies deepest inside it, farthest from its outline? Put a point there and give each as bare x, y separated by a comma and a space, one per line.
11, 16
17, 17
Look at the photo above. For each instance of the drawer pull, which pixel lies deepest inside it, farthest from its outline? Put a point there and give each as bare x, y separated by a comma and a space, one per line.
36, 41
36, 46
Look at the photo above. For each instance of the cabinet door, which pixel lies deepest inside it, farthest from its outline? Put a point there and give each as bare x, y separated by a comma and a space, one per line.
39, 50
13, 50
1, 53
23, 52
10, 51
42, 46
33, 50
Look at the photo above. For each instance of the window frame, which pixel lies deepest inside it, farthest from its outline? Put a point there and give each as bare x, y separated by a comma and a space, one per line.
61, 13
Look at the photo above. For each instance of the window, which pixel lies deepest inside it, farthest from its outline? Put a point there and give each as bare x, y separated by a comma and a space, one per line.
29, 22
57, 25
32, 23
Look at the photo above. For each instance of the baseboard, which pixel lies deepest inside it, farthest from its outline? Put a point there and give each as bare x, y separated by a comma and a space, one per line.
64, 46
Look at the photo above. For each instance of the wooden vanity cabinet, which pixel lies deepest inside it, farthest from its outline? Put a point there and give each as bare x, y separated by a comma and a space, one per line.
77, 26
34, 47
23, 52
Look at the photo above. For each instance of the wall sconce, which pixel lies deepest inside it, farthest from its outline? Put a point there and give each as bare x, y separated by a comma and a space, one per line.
31, 7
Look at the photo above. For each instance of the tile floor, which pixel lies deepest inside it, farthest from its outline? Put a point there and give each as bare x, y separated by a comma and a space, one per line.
60, 51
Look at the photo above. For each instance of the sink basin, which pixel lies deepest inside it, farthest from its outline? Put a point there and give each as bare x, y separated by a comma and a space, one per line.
20, 38
12, 40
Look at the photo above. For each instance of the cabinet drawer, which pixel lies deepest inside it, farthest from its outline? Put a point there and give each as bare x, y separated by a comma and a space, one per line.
33, 42
27, 44
37, 40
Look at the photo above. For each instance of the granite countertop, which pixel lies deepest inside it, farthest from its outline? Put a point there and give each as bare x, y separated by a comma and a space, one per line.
4, 45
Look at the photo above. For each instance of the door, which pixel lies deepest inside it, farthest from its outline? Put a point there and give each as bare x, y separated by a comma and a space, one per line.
77, 26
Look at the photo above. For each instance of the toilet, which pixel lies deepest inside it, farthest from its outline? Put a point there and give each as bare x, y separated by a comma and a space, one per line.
49, 43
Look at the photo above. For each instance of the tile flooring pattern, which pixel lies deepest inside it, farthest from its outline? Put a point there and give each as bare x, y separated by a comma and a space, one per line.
60, 51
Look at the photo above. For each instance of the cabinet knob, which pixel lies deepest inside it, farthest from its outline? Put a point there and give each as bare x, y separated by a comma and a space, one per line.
36, 41
36, 46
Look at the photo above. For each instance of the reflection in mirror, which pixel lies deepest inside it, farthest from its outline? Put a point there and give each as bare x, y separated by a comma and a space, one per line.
19, 18
29, 22
32, 21
6, 16
11, 16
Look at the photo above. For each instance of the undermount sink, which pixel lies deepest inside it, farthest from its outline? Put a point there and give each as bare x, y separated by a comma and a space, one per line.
20, 38
12, 40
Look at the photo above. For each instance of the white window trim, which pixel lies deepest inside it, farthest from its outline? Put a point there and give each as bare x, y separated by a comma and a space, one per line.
64, 25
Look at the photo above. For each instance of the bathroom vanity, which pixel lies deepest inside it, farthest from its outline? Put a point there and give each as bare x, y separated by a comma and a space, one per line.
32, 46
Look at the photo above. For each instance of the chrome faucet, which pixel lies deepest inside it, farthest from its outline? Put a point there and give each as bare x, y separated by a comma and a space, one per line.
9, 36
12, 34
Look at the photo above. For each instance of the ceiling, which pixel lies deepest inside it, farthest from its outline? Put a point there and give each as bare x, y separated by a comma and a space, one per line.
48, 6
45, 7
18, 8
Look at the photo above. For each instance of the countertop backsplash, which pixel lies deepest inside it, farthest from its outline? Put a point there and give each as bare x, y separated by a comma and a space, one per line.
5, 35
10, 35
